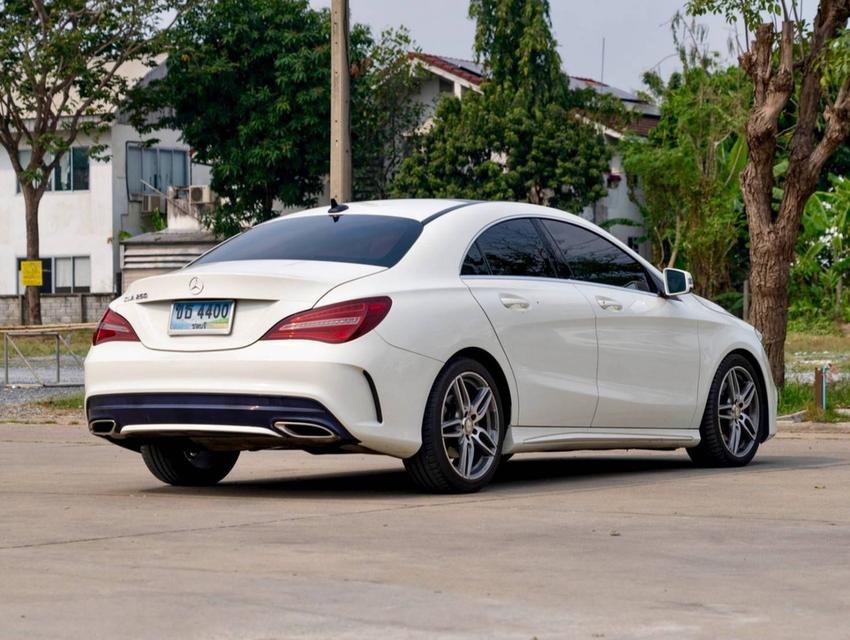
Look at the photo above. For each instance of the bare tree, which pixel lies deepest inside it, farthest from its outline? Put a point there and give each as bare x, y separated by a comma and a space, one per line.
62, 65
801, 76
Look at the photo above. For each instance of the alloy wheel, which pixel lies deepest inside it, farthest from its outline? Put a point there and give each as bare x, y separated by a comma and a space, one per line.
470, 425
738, 411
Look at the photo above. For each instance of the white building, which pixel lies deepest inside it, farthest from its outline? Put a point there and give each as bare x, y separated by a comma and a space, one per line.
90, 204
444, 75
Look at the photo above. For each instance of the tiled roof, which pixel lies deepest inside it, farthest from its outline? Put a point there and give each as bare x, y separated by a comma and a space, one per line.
473, 72
449, 64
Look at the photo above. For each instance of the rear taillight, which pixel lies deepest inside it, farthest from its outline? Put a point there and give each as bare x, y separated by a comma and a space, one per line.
335, 323
113, 328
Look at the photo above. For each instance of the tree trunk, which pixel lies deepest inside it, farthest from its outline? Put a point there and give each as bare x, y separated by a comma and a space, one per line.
772, 237
32, 198
768, 311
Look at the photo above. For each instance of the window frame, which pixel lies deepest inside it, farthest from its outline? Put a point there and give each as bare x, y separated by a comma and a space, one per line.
135, 145
51, 270
559, 261
54, 175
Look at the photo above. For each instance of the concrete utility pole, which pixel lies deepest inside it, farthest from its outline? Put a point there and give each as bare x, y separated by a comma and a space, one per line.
340, 106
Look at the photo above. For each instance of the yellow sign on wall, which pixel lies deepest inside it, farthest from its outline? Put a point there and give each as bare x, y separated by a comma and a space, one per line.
31, 275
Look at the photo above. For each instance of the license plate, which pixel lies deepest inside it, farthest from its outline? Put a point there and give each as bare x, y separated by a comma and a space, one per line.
201, 317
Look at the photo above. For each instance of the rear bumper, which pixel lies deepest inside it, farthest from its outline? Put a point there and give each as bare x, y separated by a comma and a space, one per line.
215, 391
263, 420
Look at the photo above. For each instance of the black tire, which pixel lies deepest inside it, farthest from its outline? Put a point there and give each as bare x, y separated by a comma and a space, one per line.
181, 464
431, 468
712, 450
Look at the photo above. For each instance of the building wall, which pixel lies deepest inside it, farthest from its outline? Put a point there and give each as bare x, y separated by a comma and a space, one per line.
71, 223
128, 216
58, 308
618, 204
81, 223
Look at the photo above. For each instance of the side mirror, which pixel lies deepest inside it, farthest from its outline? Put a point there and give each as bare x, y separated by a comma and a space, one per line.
677, 282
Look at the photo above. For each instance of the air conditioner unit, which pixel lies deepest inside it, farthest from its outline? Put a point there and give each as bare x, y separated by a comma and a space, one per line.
200, 194
151, 203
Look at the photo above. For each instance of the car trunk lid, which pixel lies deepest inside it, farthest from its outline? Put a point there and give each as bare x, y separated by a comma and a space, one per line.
264, 292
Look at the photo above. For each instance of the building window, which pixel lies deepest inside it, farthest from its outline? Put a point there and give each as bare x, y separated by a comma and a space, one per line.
155, 167
70, 174
62, 275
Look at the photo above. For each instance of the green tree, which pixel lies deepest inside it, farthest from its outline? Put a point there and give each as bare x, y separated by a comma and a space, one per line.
800, 74
248, 86
526, 136
61, 65
688, 166
385, 110
822, 265
513, 39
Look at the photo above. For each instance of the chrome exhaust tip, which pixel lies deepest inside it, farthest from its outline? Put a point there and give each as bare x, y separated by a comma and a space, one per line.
306, 431
102, 427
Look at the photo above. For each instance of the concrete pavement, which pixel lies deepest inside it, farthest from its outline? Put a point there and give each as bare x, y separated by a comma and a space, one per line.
588, 545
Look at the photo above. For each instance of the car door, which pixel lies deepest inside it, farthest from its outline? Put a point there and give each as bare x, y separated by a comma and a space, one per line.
649, 359
545, 325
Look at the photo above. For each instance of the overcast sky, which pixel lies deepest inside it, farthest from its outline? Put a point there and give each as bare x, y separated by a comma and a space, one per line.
636, 32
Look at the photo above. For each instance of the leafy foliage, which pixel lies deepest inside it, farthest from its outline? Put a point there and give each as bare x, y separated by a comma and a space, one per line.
823, 256
385, 110
688, 166
248, 84
752, 12
513, 38
63, 70
523, 137
800, 117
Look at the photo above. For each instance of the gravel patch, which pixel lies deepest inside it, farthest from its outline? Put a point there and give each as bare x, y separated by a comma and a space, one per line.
19, 401
39, 414
45, 368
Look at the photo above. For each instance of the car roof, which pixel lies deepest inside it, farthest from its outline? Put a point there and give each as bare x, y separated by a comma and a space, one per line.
427, 209
419, 209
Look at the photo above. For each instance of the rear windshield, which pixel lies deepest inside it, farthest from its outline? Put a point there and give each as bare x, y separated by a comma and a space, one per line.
361, 239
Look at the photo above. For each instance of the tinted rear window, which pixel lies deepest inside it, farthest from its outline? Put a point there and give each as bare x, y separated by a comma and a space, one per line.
375, 240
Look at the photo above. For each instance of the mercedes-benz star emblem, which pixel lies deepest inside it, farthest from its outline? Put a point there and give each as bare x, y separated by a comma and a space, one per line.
196, 286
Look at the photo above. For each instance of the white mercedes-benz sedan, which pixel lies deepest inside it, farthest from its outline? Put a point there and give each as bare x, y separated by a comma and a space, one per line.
449, 334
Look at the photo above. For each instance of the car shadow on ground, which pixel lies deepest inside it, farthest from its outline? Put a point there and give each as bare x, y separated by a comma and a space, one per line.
555, 472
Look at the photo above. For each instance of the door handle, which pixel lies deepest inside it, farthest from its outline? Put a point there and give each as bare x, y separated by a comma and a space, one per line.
513, 302
608, 304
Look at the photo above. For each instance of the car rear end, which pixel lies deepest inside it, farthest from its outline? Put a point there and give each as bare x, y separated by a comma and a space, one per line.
237, 352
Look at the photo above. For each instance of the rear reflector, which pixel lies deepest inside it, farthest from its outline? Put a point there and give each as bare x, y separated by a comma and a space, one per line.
113, 327
335, 323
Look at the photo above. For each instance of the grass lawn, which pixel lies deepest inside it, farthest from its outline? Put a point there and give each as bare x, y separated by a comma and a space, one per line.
803, 353
74, 401
32, 346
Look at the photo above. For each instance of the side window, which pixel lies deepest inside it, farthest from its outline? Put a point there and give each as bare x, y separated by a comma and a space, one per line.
515, 248
474, 264
592, 258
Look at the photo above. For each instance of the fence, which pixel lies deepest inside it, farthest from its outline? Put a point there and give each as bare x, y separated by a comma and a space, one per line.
39, 373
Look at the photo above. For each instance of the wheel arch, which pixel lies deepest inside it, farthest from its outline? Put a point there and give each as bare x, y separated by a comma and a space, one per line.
495, 369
